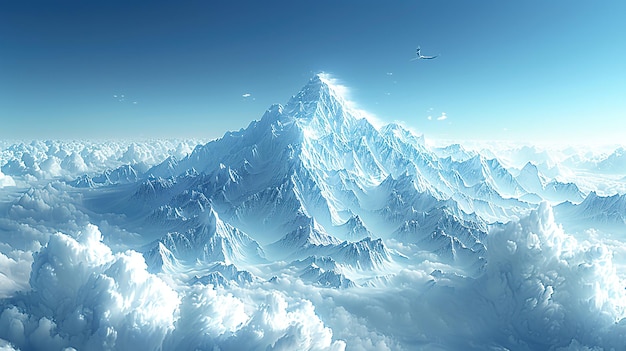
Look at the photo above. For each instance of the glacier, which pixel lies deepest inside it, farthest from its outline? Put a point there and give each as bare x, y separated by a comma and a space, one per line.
311, 229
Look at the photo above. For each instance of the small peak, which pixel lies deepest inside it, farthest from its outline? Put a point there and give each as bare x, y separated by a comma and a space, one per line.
530, 167
275, 108
317, 79
324, 78
315, 89
339, 90
273, 113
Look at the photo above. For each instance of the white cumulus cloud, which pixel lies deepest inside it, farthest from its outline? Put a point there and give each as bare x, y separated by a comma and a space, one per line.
84, 296
95, 299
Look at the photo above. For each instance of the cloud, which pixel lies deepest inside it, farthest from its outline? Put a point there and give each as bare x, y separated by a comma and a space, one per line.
443, 117
246, 95
540, 286
390, 73
85, 296
6, 180
411, 129
121, 98
6, 346
69, 159
96, 299
340, 89
14, 272
550, 288
372, 118
539, 289
343, 92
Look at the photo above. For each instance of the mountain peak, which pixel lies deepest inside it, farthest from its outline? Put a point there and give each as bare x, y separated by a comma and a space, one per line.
319, 89
320, 108
325, 84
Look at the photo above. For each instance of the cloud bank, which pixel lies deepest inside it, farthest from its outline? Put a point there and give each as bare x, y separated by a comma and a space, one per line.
541, 289
84, 296
23, 163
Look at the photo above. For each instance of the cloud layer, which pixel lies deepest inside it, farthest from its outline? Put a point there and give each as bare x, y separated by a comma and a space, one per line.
541, 289
66, 283
84, 296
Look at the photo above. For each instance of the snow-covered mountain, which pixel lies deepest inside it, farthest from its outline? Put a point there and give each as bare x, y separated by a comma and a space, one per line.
314, 178
311, 174
70, 159
208, 239
599, 211
531, 179
614, 163
308, 229
323, 271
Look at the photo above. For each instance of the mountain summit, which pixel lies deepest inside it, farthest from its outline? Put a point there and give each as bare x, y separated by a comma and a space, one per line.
320, 109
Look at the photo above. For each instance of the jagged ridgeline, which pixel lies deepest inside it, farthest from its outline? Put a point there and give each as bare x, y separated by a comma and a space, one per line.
316, 184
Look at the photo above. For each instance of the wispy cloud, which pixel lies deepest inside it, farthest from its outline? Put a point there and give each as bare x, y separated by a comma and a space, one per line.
411, 129
121, 98
246, 95
336, 85
344, 92
443, 117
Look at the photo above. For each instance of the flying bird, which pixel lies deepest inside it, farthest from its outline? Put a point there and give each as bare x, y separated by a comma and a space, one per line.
422, 57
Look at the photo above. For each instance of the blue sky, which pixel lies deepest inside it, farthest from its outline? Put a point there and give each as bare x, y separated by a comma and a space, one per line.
517, 70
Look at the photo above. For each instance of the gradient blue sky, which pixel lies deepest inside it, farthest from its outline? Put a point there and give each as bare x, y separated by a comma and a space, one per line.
520, 70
